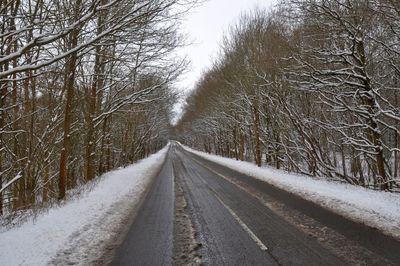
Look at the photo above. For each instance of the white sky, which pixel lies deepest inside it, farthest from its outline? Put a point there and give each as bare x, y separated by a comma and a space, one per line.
205, 26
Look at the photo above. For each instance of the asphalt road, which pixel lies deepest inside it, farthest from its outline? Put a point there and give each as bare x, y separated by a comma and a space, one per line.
149, 240
238, 220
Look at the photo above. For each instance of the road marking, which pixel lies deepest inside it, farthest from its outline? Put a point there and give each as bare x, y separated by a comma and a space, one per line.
260, 199
252, 235
221, 175
243, 225
231, 181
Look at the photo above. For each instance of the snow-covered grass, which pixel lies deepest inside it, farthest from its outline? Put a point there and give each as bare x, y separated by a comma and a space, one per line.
374, 208
77, 231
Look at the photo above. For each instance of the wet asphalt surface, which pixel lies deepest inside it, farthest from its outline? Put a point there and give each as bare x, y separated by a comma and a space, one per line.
149, 240
235, 227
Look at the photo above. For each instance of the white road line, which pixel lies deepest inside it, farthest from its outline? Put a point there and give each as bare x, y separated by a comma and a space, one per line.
221, 175
253, 236
243, 225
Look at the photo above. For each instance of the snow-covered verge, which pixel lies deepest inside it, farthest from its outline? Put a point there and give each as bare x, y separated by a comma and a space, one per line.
374, 208
76, 232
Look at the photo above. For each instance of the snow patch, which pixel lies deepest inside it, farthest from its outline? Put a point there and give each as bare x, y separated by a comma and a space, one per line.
76, 232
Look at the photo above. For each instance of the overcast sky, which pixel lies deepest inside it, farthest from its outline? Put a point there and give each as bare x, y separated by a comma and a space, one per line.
205, 26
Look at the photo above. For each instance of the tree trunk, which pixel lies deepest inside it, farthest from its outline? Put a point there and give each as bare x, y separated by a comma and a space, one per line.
257, 147
396, 156
241, 146
235, 143
30, 178
277, 152
396, 144
90, 168
70, 77
3, 94
16, 187
103, 147
374, 130
69, 88
94, 105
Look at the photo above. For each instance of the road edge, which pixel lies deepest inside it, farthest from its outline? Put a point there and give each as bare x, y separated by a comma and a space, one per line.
110, 248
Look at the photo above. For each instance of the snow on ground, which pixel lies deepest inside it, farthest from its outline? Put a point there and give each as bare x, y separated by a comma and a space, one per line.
374, 208
76, 232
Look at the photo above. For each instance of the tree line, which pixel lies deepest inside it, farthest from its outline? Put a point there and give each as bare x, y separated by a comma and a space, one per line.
85, 86
311, 87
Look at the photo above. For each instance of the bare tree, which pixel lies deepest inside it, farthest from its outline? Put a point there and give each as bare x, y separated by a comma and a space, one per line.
309, 87
74, 76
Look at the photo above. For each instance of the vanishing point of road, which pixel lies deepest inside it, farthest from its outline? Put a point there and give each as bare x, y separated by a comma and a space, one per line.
198, 212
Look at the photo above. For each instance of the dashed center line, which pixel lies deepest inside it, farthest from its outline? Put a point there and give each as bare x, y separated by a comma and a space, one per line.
252, 235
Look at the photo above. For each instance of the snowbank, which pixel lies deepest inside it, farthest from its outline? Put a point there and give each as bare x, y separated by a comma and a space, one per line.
374, 208
72, 234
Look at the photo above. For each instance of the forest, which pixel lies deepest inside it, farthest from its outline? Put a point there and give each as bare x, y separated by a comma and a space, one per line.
86, 86
310, 87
